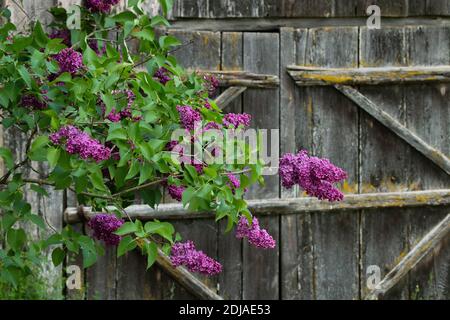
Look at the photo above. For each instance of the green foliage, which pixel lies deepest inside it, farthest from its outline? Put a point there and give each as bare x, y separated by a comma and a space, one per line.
140, 162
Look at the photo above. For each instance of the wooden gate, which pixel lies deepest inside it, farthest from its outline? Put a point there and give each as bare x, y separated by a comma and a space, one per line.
373, 101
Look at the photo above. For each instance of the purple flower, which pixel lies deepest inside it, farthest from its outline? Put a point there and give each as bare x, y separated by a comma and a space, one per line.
104, 226
63, 34
33, 102
102, 6
116, 116
211, 84
185, 254
235, 183
234, 120
256, 236
79, 142
188, 117
93, 44
315, 175
176, 192
162, 75
69, 60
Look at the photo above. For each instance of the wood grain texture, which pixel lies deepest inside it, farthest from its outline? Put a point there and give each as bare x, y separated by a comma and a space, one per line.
335, 128
384, 158
261, 55
429, 242
427, 114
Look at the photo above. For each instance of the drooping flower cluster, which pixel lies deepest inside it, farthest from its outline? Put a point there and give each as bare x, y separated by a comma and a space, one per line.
63, 34
176, 192
104, 226
162, 74
316, 176
102, 6
256, 236
185, 254
79, 142
234, 120
188, 117
69, 60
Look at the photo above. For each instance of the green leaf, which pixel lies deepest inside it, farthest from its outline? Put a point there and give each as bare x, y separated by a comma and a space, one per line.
89, 258
134, 169
39, 35
126, 228
97, 180
164, 229
25, 75
117, 133
53, 156
16, 238
37, 220
58, 255
126, 244
188, 194
166, 5
151, 249
6, 154
37, 150
158, 20
166, 42
124, 16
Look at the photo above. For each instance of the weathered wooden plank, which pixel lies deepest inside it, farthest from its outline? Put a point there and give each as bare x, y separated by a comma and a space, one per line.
384, 158
427, 115
288, 99
303, 205
403, 132
398, 8
428, 243
311, 76
228, 96
440, 8
229, 249
334, 128
261, 55
243, 79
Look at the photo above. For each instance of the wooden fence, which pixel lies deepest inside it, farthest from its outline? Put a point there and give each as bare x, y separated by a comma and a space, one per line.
374, 101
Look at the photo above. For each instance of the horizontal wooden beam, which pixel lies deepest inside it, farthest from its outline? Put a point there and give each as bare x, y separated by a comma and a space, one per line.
274, 24
284, 206
312, 76
186, 279
228, 96
243, 79
421, 250
391, 123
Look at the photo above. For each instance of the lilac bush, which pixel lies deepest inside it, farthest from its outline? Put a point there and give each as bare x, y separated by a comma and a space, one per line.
101, 118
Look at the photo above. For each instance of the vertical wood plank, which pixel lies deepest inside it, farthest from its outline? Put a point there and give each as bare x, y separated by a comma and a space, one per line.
261, 55
335, 128
427, 114
384, 158
388, 8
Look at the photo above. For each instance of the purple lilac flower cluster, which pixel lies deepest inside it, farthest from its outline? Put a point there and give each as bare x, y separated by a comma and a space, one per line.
185, 254
235, 183
256, 236
188, 117
104, 226
102, 6
115, 116
33, 102
234, 120
316, 176
63, 34
79, 142
69, 60
211, 83
176, 192
162, 74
